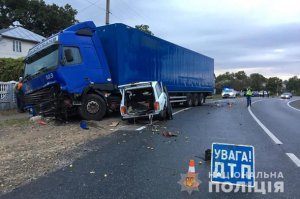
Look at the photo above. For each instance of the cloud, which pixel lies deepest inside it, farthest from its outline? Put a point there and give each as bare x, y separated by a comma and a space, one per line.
256, 35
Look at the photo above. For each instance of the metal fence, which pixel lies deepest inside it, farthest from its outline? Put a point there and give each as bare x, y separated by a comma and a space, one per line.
7, 95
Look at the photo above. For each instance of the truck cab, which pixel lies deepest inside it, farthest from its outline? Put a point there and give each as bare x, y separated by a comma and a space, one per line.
144, 99
68, 73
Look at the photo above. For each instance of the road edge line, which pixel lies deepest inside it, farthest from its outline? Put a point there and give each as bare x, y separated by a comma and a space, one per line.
294, 158
291, 106
267, 131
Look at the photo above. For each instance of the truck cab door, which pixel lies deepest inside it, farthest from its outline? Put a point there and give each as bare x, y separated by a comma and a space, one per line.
72, 61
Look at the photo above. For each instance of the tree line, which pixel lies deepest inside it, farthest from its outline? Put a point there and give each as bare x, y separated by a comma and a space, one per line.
41, 18
240, 81
37, 16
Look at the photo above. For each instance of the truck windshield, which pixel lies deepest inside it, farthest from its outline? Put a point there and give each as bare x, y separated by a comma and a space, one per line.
41, 61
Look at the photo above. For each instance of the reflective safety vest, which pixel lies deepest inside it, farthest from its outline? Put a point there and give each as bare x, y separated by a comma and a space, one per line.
249, 92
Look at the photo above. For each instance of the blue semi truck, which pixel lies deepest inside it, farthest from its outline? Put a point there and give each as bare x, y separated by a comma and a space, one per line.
78, 70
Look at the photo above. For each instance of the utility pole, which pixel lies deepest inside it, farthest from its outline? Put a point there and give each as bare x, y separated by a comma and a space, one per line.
107, 12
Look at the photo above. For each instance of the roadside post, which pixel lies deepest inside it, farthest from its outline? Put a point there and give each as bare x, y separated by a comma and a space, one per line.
233, 164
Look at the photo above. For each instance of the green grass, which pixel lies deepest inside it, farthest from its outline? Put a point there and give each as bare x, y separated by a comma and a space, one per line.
296, 104
14, 122
8, 112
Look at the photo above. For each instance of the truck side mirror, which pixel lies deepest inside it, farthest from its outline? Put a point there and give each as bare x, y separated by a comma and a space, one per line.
68, 55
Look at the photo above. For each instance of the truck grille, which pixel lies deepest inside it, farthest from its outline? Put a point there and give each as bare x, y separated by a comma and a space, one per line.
42, 96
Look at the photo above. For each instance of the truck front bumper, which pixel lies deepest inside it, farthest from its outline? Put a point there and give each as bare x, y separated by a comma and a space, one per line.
48, 101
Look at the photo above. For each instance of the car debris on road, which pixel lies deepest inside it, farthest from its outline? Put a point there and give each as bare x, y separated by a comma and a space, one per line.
169, 134
83, 125
114, 124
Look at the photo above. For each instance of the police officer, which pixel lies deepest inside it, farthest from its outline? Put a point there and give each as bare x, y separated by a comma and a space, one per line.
248, 95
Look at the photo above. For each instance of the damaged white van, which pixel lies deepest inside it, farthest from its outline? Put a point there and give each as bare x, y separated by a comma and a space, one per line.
144, 99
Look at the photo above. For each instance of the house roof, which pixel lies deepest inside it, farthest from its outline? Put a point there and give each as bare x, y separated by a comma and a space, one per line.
21, 33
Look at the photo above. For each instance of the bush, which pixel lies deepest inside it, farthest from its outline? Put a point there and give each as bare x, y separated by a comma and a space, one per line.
10, 69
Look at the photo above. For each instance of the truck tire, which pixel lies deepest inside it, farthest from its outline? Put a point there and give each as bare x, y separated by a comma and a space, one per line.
201, 98
189, 100
93, 107
196, 99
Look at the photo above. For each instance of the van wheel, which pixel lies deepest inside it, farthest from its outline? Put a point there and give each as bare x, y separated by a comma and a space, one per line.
131, 121
163, 114
169, 111
93, 107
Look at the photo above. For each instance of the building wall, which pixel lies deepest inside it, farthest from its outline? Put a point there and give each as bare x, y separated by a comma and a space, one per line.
6, 48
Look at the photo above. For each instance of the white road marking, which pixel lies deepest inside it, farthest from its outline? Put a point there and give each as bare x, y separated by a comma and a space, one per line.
143, 127
267, 131
294, 159
185, 109
291, 106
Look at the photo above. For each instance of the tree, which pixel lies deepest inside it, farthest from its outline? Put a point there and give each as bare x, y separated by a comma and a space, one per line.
37, 16
144, 28
274, 85
238, 81
241, 80
10, 69
224, 80
241, 75
293, 85
257, 81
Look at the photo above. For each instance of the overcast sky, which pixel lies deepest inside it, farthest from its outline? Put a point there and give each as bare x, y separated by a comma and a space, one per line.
252, 35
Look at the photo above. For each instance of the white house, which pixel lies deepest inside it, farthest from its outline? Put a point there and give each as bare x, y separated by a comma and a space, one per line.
16, 41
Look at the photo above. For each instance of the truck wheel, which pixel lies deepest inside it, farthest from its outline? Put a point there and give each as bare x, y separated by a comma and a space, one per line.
204, 99
189, 100
201, 98
93, 107
195, 99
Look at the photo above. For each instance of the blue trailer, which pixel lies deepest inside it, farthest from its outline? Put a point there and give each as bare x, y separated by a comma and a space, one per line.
79, 70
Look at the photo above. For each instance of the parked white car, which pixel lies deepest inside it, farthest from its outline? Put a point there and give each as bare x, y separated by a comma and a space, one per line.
144, 99
228, 93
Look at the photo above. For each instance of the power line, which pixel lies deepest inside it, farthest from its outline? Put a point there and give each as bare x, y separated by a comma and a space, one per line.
91, 4
94, 3
137, 13
134, 11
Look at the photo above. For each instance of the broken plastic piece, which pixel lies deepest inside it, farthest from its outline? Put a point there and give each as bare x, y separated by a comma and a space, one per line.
114, 124
35, 118
41, 122
169, 134
83, 125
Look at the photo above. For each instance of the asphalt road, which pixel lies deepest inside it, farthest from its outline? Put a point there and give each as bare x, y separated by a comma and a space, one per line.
145, 164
